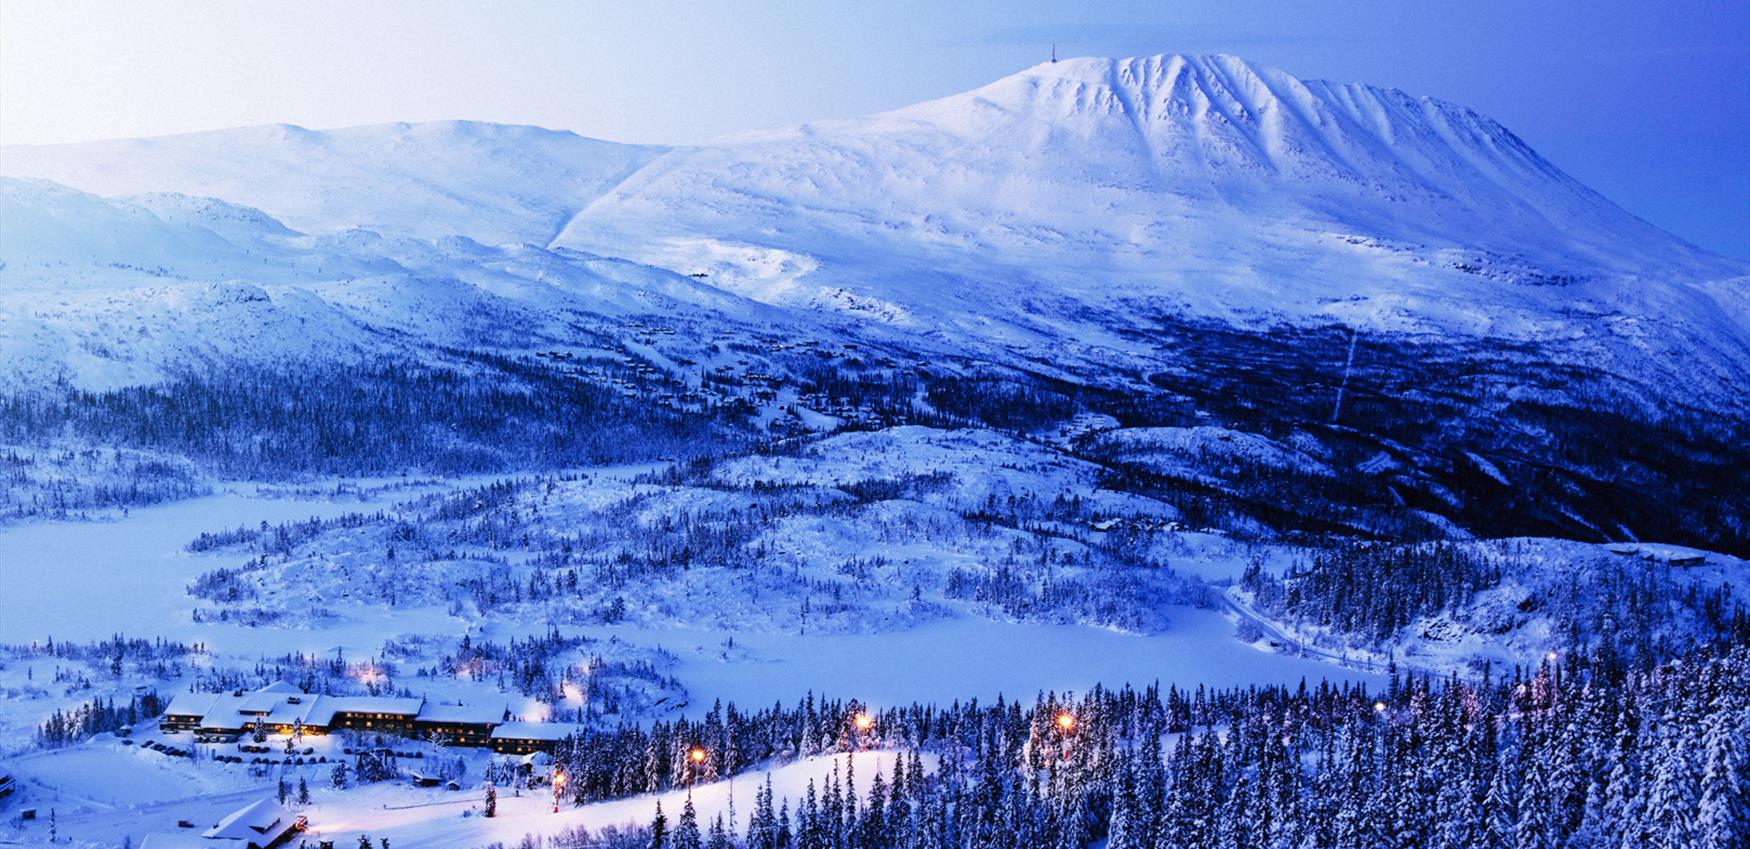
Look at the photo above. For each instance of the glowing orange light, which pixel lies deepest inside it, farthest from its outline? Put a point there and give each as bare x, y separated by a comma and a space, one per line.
558, 779
1066, 721
697, 754
864, 722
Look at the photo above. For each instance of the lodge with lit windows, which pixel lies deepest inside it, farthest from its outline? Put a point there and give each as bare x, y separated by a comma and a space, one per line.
281, 708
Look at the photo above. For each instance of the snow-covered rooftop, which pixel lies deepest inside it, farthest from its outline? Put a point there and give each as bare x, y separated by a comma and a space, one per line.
189, 840
472, 714
378, 704
191, 704
543, 731
258, 822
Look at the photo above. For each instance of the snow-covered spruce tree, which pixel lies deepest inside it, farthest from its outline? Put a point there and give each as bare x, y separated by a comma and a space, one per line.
1447, 764
1723, 820
686, 830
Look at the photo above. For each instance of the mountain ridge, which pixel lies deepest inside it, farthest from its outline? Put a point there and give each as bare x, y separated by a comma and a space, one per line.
1155, 243
1054, 210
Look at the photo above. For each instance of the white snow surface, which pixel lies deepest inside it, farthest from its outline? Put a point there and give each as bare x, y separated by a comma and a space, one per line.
1048, 218
1037, 217
490, 182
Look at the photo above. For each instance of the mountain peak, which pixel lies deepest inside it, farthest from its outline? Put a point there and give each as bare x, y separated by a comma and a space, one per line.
1101, 67
1217, 126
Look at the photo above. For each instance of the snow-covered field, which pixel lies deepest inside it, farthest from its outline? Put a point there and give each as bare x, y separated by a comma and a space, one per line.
134, 793
1040, 388
127, 573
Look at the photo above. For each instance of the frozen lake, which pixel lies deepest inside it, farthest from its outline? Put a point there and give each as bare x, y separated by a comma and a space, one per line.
87, 580
91, 579
970, 657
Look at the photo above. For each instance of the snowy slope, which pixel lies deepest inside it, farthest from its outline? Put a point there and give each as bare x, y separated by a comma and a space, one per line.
50, 224
1111, 162
490, 182
1078, 198
107, 292
1049, 218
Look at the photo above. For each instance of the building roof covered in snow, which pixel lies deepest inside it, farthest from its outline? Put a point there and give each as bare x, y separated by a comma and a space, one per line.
543, 731
462, 714
226, 714
188, 840
391, 705
282, 706
258, 823
321, 711
191, 704
271, 697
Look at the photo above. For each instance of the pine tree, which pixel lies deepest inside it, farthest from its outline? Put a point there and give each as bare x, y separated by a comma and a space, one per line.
1721, 821
686, 832
1671, 799
1499, 810
1534, 830
491, 799
874, 825
1126, 830
659, 830
760, 825
719, 837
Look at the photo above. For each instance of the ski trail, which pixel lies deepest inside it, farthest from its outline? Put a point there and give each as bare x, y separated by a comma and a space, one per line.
1347, 365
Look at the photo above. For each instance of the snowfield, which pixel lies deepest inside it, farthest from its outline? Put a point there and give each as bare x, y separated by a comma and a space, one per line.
1267, 417
145, 794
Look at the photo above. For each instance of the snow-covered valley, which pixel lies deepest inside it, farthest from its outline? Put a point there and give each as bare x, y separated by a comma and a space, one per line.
1121, 437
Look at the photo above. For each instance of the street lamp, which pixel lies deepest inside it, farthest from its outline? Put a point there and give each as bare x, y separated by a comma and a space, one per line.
695, 763
1066, 724
864, 722
558, 786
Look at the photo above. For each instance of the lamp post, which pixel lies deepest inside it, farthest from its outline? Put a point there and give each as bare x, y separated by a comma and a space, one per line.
863, 722
1066, 726
695, 757
558, 786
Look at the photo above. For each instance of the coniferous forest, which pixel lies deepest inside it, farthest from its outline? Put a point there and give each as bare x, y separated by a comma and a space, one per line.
1573, 753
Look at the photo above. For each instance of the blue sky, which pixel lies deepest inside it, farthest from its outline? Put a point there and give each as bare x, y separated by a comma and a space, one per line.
1647, 102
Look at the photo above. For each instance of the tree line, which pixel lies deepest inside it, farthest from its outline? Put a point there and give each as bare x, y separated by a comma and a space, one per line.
1564, 755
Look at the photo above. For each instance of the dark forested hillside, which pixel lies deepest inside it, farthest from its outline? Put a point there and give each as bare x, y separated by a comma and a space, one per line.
488, 414
1567, 754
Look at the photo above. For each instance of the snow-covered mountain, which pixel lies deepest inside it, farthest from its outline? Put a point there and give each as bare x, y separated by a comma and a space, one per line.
1170, 166
1189, 243
1079, 197
489, 182
1144, 377
1050, 216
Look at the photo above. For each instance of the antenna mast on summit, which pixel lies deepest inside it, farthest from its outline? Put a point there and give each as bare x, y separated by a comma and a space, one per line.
1053, 52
